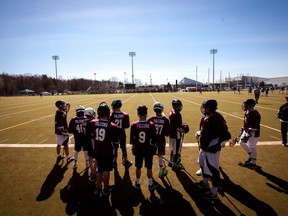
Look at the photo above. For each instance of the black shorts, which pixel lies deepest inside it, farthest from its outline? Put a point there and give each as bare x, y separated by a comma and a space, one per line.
104, 163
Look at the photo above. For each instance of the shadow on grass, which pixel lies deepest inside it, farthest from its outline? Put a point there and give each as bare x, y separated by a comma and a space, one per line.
207, 207
282, 184
126, 197
54, 177
243, 196
173, 201
79, 197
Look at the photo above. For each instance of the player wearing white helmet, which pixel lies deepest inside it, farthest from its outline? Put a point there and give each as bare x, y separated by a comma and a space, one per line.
161, 123
90, 115
77, 128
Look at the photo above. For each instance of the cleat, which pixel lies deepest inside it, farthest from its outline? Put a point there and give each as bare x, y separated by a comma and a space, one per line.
127, 163
98, 191
202, 185
59, 158
153, 186
136, 185
163, 173
199, 172
107, 191
249, 160
70, 159
250, 165
92, 177
210, 196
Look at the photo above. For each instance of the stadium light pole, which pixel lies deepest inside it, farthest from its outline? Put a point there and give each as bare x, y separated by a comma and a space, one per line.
213, 52
132, 54
55, 58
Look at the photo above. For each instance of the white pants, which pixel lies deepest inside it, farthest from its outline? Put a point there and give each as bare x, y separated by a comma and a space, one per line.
62, 140
205, 158
250, 145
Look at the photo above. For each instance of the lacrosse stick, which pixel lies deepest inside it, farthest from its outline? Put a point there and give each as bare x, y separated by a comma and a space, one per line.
167, 160
236, 140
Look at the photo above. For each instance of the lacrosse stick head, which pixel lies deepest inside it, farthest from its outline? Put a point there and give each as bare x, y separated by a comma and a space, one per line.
233, 141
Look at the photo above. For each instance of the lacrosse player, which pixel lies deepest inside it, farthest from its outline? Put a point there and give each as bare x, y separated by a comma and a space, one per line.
142, 139
283, 116
211, 135
161, 123
77, 128
61, 130
104, 138
176, 132
251, 131
90, 115
121, 119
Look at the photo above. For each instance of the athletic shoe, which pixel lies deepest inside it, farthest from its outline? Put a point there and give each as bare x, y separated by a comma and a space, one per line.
199, 172
136, 185
127, 163
107, 191
210, 196
248, 161
153, 186
163, 173
284, 145
92, 177
69, 159
59, 158
98, 191
202, 185
75, 165
250, 165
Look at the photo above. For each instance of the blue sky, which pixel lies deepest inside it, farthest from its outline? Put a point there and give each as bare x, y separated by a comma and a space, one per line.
172, 38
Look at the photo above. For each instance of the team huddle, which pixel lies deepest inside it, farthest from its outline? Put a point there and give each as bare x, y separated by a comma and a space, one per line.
101, 136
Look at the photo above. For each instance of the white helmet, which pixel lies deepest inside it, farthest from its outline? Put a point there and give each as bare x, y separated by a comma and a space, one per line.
158, 107
80, 108
90, 112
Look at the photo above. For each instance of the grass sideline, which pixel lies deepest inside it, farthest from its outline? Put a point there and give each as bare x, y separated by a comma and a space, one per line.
32, 184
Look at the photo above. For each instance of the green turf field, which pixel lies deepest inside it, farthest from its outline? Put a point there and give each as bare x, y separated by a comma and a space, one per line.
32, 184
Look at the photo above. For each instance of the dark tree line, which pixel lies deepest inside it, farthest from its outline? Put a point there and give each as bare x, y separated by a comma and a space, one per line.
11, 85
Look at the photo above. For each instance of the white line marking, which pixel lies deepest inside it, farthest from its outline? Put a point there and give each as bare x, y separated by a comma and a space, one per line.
128, 145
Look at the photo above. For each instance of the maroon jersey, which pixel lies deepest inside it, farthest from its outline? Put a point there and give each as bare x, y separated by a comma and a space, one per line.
61, 124
77, 126
121, 119
175, 119
252, 121
162, 128
142, 136
211, 126
104, 133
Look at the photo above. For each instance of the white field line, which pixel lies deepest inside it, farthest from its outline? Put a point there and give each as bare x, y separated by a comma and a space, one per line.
128, 145
23, 123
